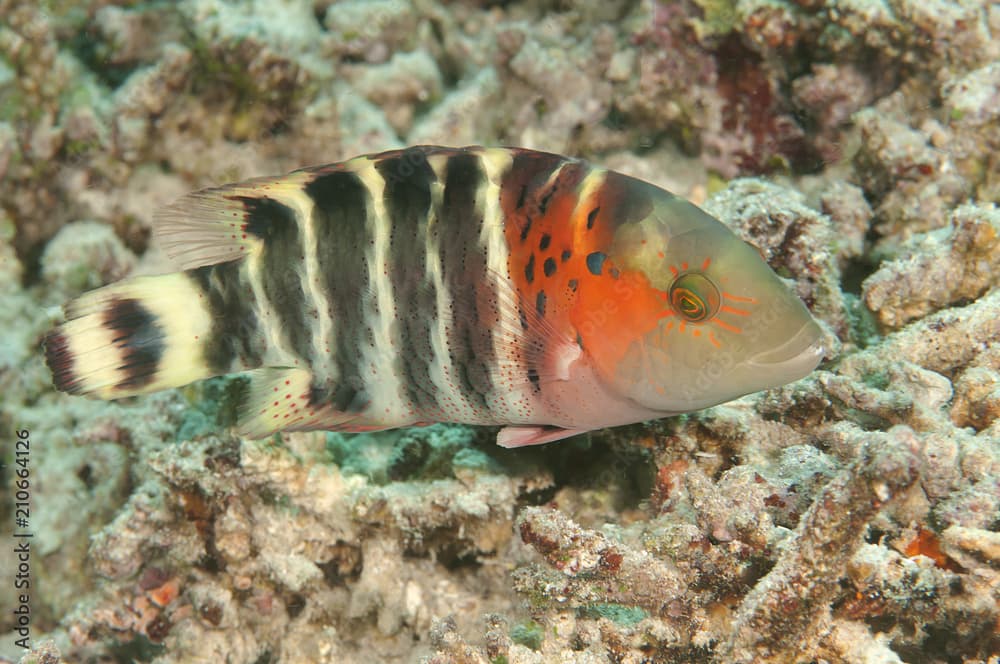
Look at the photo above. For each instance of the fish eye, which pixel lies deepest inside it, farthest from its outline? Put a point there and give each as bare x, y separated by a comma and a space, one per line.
694, 297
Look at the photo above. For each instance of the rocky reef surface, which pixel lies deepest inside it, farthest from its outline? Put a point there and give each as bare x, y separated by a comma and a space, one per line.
853, 516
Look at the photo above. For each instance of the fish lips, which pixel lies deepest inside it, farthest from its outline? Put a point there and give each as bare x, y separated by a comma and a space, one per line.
792, 360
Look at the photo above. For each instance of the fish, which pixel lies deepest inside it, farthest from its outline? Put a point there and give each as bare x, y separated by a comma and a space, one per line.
486, 286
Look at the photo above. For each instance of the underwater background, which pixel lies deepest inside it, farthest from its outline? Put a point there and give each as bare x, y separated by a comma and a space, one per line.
852, 516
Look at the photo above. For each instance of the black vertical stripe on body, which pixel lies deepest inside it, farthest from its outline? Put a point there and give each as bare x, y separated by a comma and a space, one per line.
343, 243
136, 332
466, 276
521, 185
407, 197
235, 335
282, 265
264, 215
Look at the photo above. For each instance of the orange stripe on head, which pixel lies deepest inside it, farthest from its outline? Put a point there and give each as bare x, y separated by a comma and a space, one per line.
726, 326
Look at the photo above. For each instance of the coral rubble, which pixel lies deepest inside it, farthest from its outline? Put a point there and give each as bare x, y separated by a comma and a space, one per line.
852, 516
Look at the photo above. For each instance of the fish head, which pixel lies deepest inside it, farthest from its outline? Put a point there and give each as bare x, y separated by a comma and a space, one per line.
725, 323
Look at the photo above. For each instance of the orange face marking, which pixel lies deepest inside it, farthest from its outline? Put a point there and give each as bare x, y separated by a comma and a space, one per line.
733, 310
737, 298
727, 326
558, 244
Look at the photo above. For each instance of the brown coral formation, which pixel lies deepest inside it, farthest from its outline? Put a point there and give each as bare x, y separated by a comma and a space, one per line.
851, 516
939, 269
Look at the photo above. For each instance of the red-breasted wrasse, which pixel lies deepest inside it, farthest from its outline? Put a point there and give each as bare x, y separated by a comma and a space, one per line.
476, 285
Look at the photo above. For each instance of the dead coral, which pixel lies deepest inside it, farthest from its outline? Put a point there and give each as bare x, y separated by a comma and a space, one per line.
942, 342
373, 31
939, 269
907, 172
275, 551
971, 103
977, 398
786, 606
597, 569
268, 541
851, 215
32, 101
85, 255
831, 94
785, 609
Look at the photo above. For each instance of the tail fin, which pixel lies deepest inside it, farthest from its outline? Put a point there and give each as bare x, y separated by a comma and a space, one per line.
132, 337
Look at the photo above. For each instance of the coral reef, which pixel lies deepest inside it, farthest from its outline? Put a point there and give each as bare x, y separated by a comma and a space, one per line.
959, 265
852, 516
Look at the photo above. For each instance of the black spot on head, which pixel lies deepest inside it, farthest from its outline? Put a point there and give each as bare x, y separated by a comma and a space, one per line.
265, 216
529, 269
527, 228
549, 267
592, 217
540, 300
595, 262
573, 283
543, 244
566, 255
135, 331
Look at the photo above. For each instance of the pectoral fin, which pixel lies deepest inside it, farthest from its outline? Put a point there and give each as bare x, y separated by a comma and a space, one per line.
522, 436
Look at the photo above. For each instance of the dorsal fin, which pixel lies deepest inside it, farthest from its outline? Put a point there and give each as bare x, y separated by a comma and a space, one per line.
226, 223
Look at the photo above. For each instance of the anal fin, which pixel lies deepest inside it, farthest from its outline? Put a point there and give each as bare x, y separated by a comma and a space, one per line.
281, 399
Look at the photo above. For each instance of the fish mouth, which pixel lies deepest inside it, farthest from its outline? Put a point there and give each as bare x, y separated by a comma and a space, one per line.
795, 358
